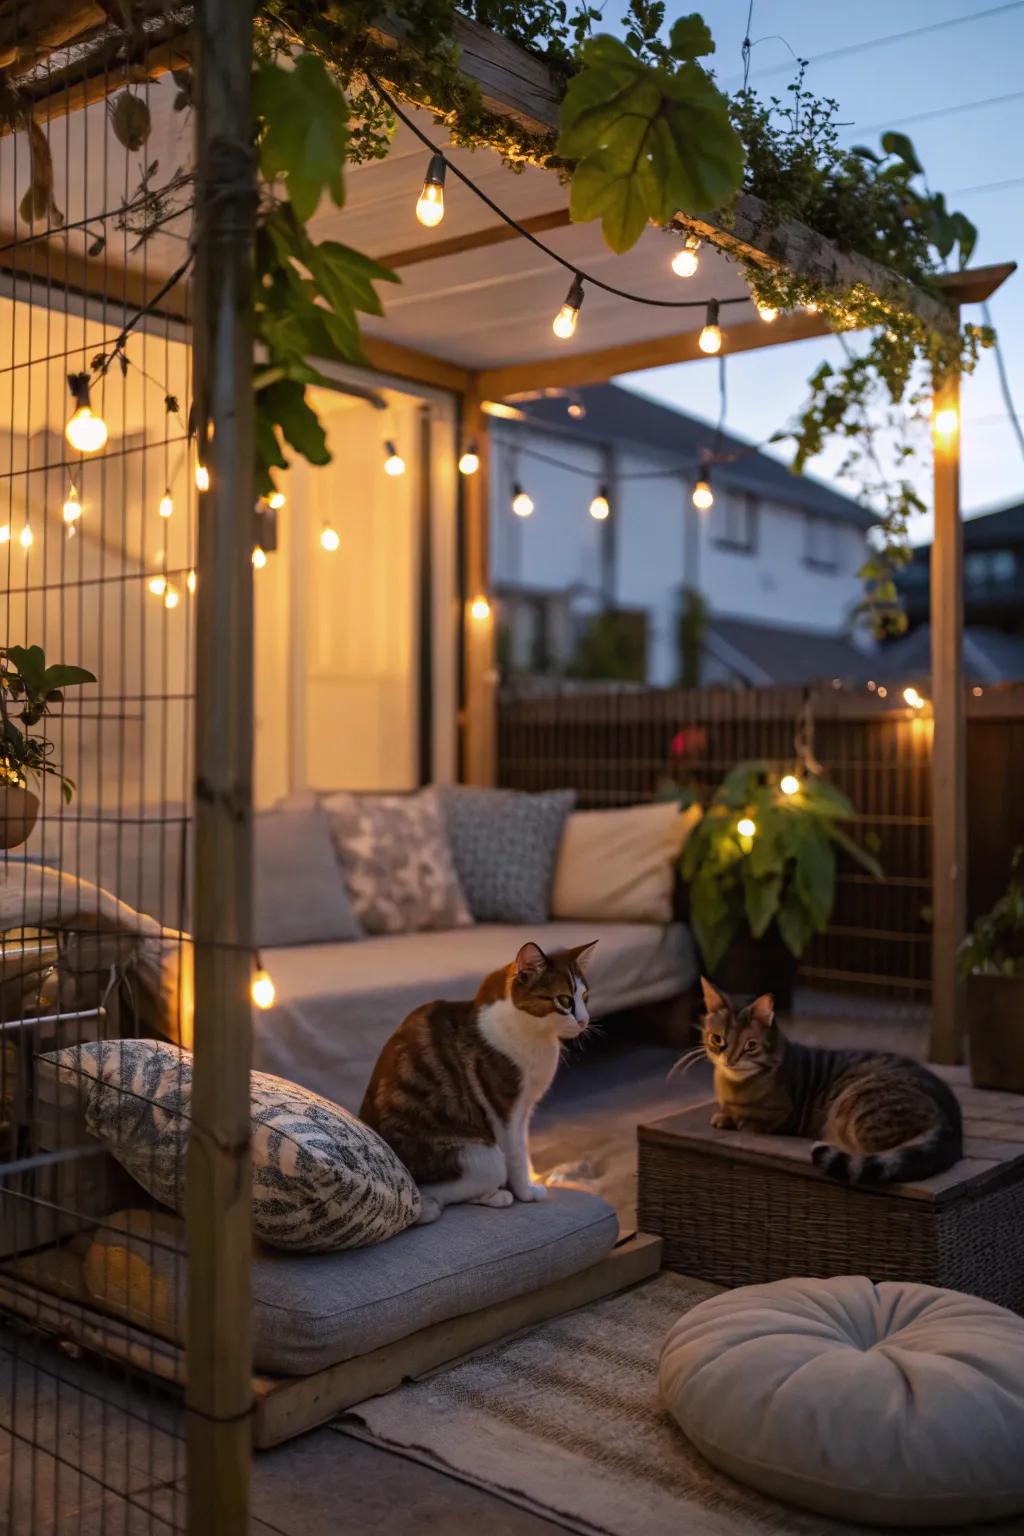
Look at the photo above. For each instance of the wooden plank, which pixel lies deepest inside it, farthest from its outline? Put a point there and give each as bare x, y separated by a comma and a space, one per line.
479, 712
576, 369
54, 262
32, 28
86, 81
975, 285
474, 240
417, 367
287, 1407
949, 756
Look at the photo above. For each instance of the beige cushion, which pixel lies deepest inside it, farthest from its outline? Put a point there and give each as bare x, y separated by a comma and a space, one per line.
893, 1404
619, 866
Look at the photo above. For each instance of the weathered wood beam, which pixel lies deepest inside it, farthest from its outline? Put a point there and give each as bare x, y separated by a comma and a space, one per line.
416, 367
474, 240
33, 28
94, 76
53, 262
976, 284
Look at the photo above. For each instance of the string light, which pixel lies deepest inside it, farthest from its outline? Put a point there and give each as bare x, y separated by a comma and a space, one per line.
329, 538
276, 500
686, 261
259, 557
158, 586
262, 989
394, 464
72, 505
172, 597
430, 203
26, 538
202, 477
746, 827
190, 581
768, 313
564, 323
811, 308
710, 338
5, 533
789, 784
945, 421
913, 698
166, 507
85, 431
469, 463
480, 609
703, 497
576, 410
522, 505
883, 692
600, 506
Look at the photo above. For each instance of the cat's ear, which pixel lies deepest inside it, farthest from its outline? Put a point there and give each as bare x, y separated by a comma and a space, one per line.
579, 950
530, 959
713, 999
762, 1011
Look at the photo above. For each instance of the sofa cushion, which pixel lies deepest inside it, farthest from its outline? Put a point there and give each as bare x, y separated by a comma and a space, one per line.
299, 890
620, 865
312, 1312
505, 844
337, 1004
396, 861
321, 1179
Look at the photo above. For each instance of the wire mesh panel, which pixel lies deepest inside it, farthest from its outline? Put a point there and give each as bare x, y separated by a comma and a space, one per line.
98, 510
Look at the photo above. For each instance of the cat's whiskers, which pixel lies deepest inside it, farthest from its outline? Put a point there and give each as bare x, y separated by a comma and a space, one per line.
687, 1060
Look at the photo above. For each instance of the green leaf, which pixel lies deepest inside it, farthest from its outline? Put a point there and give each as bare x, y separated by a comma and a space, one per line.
898, 144
866, 860
304, 116
30, 662
761, 901
285, 404
690, 38
61, 676
814, 874
795, 926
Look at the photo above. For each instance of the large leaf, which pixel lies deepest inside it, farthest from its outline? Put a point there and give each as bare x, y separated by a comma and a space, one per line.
863, 858
304, 116
284, 403
795, 925
760, 900
690, 38
30, 661
814, 873
62, 676
898, 144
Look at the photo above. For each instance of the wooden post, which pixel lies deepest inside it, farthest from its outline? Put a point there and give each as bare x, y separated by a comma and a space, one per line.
218, 1210
479, 701
949, 798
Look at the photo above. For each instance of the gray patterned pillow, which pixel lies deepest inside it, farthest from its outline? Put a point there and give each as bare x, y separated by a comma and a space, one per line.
321, 1179
396, 861
505, 847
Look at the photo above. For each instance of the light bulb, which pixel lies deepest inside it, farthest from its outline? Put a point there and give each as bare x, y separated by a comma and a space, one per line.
913, 698
469, 463
158, 586
883, 692
259, 556
276, 500
329, 538
703, 496
166, 507
262, 989
768, 313
72, 505
26, 538
5, 533
789, 783
564, 323
600, 506
86, 432
430, 203
190, 581
811, 308
394, 464
745, 827
481, 608
576, 409
202, 477
686, 261
522, 505
710, 338
172, 597
945, 422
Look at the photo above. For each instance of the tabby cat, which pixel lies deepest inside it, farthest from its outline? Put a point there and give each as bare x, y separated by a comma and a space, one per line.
454, 1088
879, 1117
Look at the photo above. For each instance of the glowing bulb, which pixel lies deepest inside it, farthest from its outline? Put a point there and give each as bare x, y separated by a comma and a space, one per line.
85, 431
190, 581
259, 556
166, 507
745, 827
600, 506
686, 261
276, 500
5, 534
703, 496
26, 538
72, 505
262, 989
470, 461
945, 422
522, 505
202, 477
172, 597
158, 586
329, 538
576, 409
768, 313
481, 609
394, 464
882, 692
430, 204
811, 308
564, 323
913, 698
789, 784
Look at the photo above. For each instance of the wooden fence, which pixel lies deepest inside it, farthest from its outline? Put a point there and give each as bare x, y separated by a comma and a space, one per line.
617, 747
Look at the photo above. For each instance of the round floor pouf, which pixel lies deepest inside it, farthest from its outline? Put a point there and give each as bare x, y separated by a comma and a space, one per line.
889, 1404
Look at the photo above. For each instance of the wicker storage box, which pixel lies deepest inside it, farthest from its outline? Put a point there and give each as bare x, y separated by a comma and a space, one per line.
740, 1209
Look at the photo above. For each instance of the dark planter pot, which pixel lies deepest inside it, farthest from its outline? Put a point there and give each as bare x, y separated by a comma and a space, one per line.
751, 966
995, 1028
18, 811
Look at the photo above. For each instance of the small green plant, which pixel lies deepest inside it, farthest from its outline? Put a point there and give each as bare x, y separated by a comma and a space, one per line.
29, 685
995, 947
764, 852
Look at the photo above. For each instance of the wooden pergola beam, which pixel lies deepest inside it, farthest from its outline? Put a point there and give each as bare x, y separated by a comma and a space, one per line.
474, 240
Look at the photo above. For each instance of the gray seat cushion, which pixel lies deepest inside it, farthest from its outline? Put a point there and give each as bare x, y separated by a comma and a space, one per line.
313, 1311
299, 891
505, 846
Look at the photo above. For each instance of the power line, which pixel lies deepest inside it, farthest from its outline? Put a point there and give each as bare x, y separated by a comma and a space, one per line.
987, 186
1004, 385
923, 117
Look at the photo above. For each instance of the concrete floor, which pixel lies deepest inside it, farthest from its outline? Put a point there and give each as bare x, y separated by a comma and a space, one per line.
84, 1452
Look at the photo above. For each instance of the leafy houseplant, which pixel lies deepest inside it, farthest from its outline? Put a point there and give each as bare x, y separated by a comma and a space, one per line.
33, 689
992, 960
761, 868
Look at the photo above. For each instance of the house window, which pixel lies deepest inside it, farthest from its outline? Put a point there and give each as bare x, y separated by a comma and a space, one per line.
821, 543
735, 527
990, 567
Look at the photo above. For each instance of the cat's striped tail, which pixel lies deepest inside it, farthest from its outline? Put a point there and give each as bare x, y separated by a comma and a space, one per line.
932, 1152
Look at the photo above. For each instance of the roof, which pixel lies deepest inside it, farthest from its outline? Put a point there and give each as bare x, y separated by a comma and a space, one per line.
988, 530
989, 656
620, 415
764, 654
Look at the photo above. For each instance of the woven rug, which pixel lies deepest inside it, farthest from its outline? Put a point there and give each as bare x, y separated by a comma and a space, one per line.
565, 1421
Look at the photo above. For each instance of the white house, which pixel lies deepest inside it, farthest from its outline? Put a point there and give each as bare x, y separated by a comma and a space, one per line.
775, 557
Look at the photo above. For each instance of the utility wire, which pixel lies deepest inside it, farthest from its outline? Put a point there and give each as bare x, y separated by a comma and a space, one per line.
923, 117
987, 186
1004, 385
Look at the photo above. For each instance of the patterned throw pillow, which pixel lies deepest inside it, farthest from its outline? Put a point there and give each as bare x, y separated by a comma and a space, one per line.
396, 861
505, 846
321, 1179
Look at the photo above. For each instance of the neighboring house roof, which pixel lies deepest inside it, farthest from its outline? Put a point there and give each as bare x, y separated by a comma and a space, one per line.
762, 654
989, 656
615, 415
987, 530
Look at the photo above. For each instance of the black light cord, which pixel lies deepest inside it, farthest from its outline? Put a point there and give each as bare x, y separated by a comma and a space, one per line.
570, 266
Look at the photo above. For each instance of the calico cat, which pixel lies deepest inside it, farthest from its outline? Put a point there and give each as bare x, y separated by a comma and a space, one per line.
879, 1117
454, 1088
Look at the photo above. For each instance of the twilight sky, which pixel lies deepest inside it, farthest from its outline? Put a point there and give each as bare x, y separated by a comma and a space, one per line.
964, 152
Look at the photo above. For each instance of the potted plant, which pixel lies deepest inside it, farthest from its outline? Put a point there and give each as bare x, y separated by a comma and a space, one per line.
992, 960
31, 689
761, 869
